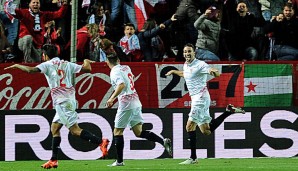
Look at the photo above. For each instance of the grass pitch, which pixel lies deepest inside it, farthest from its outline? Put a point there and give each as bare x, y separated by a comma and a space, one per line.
255, 164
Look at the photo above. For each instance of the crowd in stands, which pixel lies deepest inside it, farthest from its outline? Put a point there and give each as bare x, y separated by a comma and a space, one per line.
151, 30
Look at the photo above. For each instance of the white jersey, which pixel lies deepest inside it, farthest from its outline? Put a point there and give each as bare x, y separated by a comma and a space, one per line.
59, 75
128, 98
195, 75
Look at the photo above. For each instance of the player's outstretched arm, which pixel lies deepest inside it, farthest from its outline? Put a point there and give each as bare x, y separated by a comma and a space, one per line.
177, 72
214, 72
86, 67
23, 68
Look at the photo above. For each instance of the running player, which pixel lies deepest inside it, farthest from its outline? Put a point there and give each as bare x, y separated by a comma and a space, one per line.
195, 74
129, 111
59, 77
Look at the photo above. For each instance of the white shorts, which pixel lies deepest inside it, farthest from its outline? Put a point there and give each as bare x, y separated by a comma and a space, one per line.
199, 112
66, 113
130, 117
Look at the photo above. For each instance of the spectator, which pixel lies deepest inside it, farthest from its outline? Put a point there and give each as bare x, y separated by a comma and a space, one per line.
101, 18
285, 29
108, 47
238, 36
53, 36
271, 8
129, 11
5, 47
208, 26
265, 8
98, 15
125, 7
259, 40
148, 35
10, 24
130, 44
32, 30
95, 50
183, 30
254, 7
188, 9
84, 37
295, 5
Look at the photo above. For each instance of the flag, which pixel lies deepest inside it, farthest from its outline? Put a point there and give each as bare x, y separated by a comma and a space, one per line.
152, 2
268, 85
9, 9
141, 15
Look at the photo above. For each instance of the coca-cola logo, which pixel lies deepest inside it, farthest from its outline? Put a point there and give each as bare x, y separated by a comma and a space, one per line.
93, 90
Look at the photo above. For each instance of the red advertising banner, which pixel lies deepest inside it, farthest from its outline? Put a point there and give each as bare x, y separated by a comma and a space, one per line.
228, 88
20, 90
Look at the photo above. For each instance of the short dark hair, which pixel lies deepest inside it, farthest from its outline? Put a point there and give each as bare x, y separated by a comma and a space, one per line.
50, 50
129, 25
190, 45
105, 44
112, 58
289, 5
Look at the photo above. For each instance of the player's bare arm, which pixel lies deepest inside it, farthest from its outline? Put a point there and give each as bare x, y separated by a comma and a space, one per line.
177, 72
23, 68
86, 67
117, 91
214, 72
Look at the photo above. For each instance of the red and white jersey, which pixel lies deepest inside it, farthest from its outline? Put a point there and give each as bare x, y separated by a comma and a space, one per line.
59, 75
128, 98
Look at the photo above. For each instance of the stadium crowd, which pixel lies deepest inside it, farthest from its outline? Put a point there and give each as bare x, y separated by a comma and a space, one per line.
151, 30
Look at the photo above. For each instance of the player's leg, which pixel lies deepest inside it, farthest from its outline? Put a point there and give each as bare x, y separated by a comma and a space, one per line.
137, 126
90, 137
230, 109
121, 121
205, 129
198, 115
69, 117
56, 140
192, 139
119, 144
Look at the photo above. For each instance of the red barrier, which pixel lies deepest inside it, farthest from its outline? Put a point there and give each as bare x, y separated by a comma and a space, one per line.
20, 90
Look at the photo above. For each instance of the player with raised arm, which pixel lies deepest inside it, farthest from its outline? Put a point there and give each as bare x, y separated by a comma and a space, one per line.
195, 74
59, 77
129, 111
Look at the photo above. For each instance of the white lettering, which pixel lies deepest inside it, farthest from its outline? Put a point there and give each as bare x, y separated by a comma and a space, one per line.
144, 154
221, 135
33, 139
268, 130
178, 150
92, 118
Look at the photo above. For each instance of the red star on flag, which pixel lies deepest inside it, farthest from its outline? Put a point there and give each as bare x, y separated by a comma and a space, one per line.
251, 87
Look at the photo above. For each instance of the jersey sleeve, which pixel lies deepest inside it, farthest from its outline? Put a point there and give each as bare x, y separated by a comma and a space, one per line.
116, 77
75, 67
204, 67
42, 67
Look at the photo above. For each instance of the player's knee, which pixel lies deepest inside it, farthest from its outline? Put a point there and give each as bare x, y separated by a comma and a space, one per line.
75, 132
138, 134
206, 132
55, 132
190, 128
